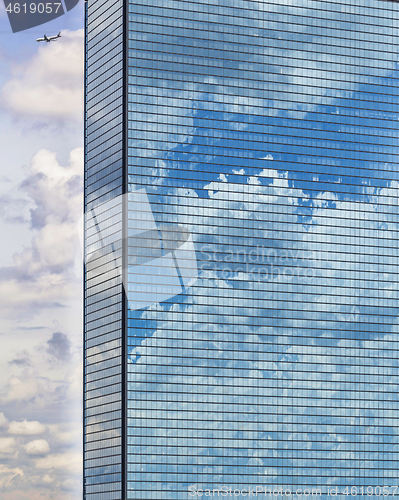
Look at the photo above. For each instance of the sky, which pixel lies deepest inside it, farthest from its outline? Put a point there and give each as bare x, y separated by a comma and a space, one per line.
41, 168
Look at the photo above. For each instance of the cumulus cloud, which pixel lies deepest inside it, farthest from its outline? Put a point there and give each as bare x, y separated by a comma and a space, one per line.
35, 391
44, 279
57, 194
7, 475
43, 273
30, 393
27, 428
55, 189
7, 445
37, 386
20, 388
50, 85
37, 447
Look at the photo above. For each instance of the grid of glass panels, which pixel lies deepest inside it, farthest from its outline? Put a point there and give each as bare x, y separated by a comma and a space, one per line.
103, 259
268, 130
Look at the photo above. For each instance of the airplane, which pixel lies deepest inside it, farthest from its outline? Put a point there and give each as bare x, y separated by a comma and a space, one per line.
49, 39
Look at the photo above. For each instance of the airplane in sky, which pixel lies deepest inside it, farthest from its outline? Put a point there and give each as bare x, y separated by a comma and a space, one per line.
49, 38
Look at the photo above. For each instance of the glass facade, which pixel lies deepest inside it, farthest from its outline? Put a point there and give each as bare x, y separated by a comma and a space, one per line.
103, 292
264, 134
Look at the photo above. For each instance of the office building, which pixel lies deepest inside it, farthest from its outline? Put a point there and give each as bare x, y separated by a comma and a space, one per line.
241, 292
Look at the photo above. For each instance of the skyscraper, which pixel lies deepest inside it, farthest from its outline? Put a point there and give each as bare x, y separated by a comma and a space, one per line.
241, 291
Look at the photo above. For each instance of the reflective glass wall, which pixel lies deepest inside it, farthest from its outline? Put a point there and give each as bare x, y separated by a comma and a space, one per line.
103, 450
267, 131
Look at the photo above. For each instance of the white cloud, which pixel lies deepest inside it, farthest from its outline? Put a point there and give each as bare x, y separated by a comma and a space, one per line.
7, 445
37, 447
7, 475
44, 276
50, 85
27, 428
42, 203
44, 272
37, 392
66, 434
55, 189
19, 389
71, 462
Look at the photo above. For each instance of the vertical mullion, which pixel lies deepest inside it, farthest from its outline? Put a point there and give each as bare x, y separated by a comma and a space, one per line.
125, 25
